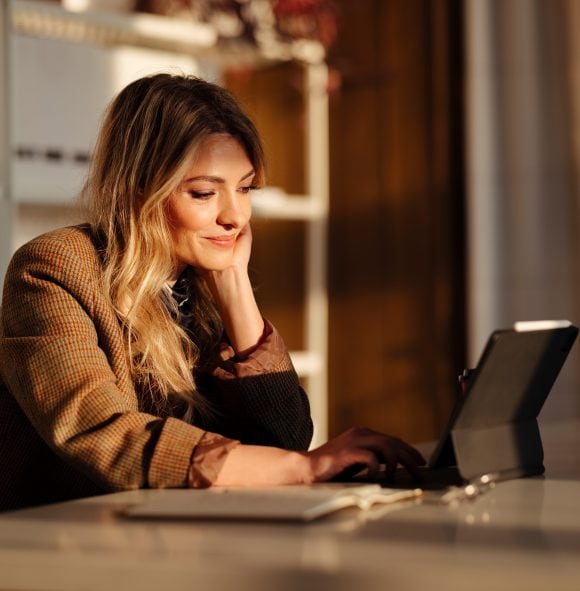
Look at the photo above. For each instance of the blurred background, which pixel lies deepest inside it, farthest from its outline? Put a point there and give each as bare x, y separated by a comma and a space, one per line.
424, 171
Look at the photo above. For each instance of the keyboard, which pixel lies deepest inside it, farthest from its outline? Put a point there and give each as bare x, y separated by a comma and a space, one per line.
429, 478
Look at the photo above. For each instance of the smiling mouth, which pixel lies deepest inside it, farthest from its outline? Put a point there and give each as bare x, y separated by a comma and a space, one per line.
222, 240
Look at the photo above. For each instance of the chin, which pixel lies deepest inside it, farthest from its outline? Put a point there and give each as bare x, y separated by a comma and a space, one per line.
213, 265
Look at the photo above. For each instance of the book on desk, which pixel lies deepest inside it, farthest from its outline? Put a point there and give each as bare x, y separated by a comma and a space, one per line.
285, 503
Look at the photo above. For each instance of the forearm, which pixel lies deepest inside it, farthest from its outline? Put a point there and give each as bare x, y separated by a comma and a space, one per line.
240, 314
252, 465
259, 400
248, 465
270, 410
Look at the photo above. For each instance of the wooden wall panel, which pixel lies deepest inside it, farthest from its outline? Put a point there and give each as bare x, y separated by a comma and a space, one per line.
396, 272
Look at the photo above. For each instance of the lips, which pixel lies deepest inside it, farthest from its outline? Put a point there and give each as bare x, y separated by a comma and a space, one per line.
224, 241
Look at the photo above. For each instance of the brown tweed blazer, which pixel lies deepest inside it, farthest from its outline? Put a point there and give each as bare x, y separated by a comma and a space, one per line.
71, 422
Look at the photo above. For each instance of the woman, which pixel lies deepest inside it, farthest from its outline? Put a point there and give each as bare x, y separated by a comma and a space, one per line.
133, 353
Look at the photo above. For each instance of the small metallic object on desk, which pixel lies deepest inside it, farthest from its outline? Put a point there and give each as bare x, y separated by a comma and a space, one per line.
474, 489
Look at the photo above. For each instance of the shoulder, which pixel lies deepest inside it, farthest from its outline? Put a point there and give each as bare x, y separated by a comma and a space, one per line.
77, 239
66, 258
61, 248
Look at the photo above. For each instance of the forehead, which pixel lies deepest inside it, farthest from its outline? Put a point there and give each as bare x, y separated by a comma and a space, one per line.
219, 152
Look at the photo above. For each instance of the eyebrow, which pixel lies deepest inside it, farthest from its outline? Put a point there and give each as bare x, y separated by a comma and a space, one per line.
217, 179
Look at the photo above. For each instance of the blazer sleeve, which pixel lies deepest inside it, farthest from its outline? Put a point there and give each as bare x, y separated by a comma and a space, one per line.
63, 361
259, 399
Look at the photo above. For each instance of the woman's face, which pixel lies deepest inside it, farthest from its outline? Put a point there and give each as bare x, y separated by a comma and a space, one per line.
211, 205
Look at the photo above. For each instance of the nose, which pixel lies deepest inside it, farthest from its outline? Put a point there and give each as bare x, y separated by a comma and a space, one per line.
234, 210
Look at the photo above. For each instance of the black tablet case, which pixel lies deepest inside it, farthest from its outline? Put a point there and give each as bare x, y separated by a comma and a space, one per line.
494, 428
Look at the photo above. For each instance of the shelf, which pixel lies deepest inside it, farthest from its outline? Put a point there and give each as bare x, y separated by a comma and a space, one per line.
306, 363
46, 20
52, 21
274, 203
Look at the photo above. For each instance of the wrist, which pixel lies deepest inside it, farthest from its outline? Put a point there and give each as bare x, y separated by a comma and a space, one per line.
234, 297
250, 465
227, 280
304, 468
231, 290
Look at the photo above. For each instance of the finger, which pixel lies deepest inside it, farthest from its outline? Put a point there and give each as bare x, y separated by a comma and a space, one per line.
386, 452
365, 458
246, 231
351, 472
415, 453
357, 460
373, 466
384, 446
409, 463
397, 445
412, 452
393, 451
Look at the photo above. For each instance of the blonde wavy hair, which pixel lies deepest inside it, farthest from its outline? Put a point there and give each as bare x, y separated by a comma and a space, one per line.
149, 136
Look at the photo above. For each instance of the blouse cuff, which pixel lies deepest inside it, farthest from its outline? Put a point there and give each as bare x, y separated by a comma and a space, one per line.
208, 459
268, 356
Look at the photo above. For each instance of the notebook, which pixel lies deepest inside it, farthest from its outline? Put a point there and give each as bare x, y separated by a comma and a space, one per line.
492, 433
279, 503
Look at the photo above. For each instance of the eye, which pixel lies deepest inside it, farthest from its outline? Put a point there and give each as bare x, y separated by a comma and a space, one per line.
201, 194
247, 189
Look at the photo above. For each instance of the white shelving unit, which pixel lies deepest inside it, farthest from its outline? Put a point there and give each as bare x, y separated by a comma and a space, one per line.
49, 173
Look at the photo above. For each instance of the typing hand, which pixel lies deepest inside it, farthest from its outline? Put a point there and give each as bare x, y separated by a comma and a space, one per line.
358, 449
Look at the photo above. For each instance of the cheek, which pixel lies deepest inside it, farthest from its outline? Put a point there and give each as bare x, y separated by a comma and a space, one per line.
187, 217
248, 208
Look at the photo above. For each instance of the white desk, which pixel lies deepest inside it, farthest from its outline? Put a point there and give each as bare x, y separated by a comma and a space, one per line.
524, 534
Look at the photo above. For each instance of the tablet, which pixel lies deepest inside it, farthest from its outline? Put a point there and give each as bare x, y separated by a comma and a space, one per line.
493, 426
